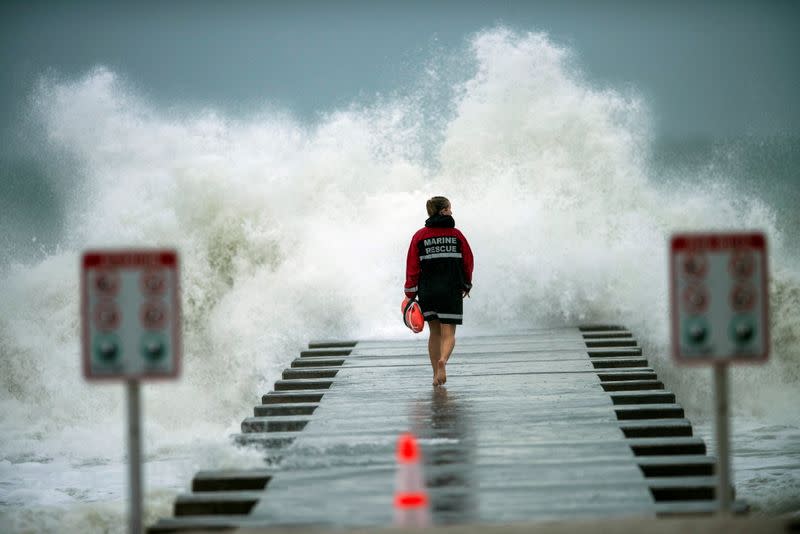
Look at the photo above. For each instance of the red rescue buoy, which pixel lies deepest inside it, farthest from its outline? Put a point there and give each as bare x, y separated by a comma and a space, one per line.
412, 315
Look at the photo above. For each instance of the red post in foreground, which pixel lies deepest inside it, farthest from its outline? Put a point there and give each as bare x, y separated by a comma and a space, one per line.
411, 504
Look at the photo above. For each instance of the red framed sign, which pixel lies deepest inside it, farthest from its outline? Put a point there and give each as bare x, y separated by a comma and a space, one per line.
130, 314
718, 297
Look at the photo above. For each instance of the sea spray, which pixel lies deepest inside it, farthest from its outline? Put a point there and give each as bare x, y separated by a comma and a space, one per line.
291, 231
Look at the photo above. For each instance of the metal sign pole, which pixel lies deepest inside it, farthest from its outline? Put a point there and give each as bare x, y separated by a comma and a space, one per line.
723, 451
134, 456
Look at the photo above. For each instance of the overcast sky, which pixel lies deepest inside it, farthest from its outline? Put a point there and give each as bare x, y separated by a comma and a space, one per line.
723, 68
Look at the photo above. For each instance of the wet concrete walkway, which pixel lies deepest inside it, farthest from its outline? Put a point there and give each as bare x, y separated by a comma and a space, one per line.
540, 425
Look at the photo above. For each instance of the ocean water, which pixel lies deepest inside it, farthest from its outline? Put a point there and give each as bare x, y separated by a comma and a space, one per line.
293, 229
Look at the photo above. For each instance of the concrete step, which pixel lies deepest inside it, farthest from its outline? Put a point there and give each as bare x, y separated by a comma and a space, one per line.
606, 334
267, 440
612, 363
299, 408
317, 362
289, 397
632, 385
324, 344
643, 397
615, 342
666, 446
231, 480
217, 502
615, 353
600, 327
624, 375
274, 424
301, 384
649, 411
324, 352
689, 508
684, 488
313, 372
682, 465
656, 428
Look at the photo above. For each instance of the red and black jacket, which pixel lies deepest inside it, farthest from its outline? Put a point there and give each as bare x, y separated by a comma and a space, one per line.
439, 259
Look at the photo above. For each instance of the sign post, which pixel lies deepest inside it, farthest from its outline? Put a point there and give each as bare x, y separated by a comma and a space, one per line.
719, 302
131, 331
722, 436
134, 455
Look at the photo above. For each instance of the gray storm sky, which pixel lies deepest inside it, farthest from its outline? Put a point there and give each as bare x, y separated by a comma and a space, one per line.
719, 68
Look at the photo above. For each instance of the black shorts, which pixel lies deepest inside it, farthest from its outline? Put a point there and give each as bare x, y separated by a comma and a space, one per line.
445, 306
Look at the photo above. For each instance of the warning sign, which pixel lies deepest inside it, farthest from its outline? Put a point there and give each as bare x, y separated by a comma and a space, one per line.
718, 297
130, 313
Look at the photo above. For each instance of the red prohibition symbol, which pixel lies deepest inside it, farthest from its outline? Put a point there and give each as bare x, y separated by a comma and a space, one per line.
743, 297
695, 298
742, 264
154, 316
695, 264
106, 315
152, 282
107, 282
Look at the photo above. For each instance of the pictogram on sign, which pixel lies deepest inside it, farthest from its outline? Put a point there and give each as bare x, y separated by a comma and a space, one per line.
106, 315
742, 264
743, 297
695, 264
106, 282
153, 282
695, 298
154, 315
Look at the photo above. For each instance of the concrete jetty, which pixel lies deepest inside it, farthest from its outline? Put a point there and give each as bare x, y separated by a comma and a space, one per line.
541, 425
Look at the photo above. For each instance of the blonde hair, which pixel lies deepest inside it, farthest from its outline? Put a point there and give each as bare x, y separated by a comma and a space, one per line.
436, 204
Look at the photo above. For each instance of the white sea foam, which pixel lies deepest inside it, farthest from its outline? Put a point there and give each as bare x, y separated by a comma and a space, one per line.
289, 231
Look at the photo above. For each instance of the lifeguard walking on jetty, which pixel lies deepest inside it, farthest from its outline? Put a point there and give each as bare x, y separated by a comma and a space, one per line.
439, 273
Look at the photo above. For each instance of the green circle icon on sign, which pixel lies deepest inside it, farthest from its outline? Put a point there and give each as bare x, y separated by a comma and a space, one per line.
742, 329
106, 348
154, 347
695, 331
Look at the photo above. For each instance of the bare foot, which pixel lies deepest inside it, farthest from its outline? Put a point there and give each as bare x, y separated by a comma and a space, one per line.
441, 372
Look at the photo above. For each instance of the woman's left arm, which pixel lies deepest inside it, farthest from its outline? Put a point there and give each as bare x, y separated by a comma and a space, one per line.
469, 261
